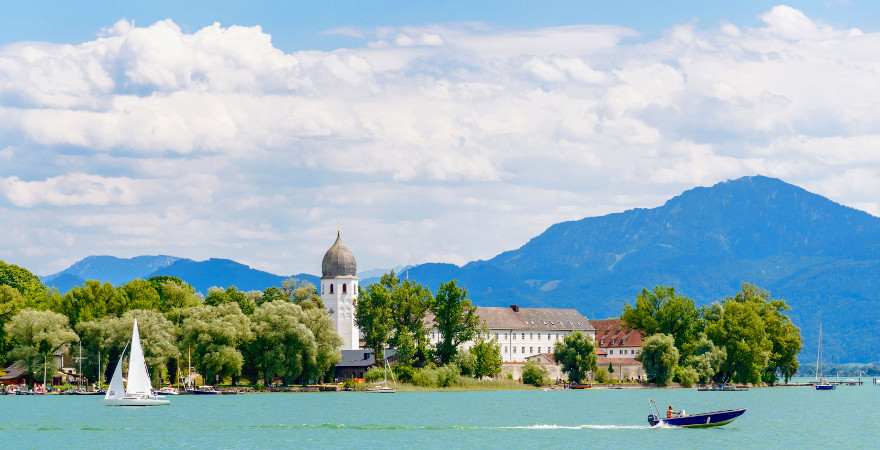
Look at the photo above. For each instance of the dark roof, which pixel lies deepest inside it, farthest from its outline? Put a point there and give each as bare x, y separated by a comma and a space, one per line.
338, 261
14, 371
538, 319
362, 358
612, 333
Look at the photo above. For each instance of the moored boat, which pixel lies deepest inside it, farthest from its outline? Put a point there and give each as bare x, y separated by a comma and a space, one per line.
203, 390
167, 390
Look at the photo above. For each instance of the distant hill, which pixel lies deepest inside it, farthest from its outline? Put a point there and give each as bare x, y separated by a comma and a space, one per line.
823, 257
110, 269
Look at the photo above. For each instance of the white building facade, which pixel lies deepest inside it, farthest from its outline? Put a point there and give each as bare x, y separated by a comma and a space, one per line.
525, 332
339, 291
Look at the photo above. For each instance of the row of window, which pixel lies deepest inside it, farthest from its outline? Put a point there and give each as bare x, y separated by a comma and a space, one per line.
623, 351
498, 336
531, 349
345, 288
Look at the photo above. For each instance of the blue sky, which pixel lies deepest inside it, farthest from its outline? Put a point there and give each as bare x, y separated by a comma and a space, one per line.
298, 25
427, 132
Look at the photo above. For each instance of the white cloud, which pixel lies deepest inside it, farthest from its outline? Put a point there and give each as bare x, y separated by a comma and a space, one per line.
443, 141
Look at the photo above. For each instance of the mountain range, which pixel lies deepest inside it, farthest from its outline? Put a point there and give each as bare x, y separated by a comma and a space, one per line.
822, 257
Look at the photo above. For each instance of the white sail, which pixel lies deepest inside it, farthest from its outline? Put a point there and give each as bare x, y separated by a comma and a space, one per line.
138, 378
116, 389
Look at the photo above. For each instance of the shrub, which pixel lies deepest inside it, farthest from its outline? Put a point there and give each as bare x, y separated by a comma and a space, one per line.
404, 373
534, 374
686, 376
465, 362
602, 375
444, 376
375, 374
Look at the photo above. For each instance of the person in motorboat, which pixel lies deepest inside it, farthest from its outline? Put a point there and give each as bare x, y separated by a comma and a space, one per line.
669, 412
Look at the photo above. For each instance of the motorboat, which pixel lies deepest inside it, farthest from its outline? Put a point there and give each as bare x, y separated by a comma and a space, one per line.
203, 390
167, 390
682, 419
138, 391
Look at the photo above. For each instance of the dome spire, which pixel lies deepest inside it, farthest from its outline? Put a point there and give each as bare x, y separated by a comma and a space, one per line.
338, 261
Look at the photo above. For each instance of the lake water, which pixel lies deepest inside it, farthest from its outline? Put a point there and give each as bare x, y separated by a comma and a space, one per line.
791, 418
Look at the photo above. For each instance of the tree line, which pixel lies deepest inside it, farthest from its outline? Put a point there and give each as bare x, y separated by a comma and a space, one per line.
281, 333
746, 338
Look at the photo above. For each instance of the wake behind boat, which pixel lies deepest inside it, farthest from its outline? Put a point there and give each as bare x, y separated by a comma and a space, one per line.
139, 391
701, 420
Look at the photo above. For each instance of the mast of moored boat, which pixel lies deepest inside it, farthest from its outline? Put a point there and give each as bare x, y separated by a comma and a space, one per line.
819, 355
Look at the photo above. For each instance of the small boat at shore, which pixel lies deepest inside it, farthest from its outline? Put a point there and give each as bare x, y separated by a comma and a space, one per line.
722, 388
203, 390
580, 386
821, 383
167, 390
682, 419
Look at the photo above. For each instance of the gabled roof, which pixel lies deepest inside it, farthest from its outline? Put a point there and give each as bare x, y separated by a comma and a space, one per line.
362, 358
529, 319
612, 333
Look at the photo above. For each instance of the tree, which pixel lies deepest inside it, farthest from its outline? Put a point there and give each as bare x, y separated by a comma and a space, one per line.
659, 357
283, 345
456, 319
305, 295
90, 301
218, 296
374, 318
215, 333
272, 294
534, 374
25, 282
662, 310
35, 336
99, 337
139, 294
487, 358
706, 359
577, 356
327, 340
11, 302
410, 302
174, 293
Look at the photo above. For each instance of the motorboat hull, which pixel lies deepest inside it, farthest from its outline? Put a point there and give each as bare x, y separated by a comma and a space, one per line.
702, 420
825, 387
135, 401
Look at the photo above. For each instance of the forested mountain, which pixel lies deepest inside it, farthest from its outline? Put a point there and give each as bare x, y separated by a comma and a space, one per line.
822, 257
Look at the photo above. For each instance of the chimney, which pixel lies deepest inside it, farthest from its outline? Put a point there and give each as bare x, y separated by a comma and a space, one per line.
515, 308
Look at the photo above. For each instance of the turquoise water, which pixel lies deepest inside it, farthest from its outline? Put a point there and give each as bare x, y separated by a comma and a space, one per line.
777, 418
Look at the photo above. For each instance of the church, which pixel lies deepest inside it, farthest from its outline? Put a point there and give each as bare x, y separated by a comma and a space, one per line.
520, 332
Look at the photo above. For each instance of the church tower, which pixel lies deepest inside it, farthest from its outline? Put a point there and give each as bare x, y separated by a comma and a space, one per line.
339, 291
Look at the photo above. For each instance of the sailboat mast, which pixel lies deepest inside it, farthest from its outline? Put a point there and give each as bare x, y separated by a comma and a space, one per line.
819, 354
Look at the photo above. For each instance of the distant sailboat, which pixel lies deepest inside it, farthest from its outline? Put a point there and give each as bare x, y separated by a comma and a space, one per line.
821, 384
384, 388
139, 391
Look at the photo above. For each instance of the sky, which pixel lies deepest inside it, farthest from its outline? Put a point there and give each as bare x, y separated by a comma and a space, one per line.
425, 132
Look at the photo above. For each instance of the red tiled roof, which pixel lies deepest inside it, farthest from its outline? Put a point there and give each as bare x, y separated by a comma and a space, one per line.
612, 333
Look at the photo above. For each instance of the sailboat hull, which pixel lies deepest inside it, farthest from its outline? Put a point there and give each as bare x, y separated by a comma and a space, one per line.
135, 401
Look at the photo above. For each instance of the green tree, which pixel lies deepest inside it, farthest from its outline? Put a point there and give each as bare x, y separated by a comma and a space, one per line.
215, 334
662, 310
99, 338
35, 336
11, 302
577, 356
534, 374
25, 282
283, 344
272, 294
218, 296
659, 357
686, 376
174, 293
740, 331
305, 295
374, 318
90, 301
139, 294
410, 302
487, 358
707, 359
456, 319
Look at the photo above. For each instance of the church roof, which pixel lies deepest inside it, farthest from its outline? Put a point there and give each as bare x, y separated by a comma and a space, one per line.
338, 261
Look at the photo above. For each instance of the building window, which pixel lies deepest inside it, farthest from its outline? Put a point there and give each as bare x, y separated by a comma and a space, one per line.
523, 349
531, 349
524, 336
531, 336
331, 288
513, 336
514, 349
539, 350
344, 288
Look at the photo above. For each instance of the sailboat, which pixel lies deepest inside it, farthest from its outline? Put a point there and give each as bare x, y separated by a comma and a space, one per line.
821, 383
139, 391
383, 388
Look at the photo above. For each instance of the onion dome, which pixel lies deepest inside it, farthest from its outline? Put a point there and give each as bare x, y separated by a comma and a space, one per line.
338, 261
